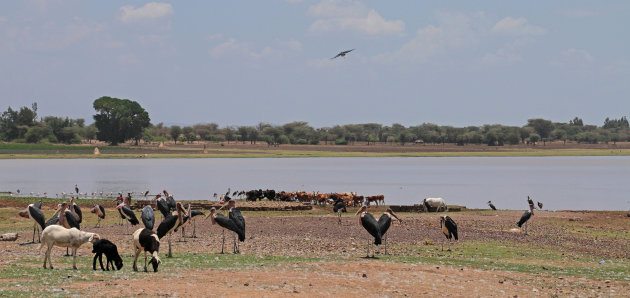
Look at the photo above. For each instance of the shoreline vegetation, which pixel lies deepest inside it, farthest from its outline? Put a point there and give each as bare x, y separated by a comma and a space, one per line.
240, 150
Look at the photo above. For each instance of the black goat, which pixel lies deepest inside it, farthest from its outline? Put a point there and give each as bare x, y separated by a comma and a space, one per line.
104, 246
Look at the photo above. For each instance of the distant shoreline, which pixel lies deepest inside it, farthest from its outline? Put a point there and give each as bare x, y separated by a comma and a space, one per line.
239, 150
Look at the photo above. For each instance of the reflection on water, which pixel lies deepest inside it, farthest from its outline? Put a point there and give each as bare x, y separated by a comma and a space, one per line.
559, 182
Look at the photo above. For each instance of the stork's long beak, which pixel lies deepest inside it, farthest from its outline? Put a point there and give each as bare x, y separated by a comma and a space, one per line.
361, 210
395, 216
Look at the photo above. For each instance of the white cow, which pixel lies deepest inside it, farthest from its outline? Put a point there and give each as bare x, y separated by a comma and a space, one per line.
437, 203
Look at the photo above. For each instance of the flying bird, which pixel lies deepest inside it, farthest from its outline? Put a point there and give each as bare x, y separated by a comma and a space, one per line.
540, 205
342, 54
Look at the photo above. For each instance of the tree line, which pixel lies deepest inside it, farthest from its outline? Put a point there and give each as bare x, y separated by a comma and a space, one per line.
120, 120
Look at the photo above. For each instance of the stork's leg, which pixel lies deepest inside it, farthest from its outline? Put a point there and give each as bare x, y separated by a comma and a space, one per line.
367, 255
34, 227
449, 245
223, 240
169, 245
385, 245
194, 234
127, 224
234, 246
39, 239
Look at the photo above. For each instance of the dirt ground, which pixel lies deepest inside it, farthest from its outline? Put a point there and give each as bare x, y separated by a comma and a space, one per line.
342, 270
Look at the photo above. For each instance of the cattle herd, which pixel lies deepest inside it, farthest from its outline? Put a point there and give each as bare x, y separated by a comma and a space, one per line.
349, 198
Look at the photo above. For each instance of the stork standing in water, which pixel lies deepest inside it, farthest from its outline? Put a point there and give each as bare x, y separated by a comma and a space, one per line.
449, 228
369, 223
340, 206
491, 205
384, 222
129, 216
525, 218
232, 223
100, 213
34, 212
170, 224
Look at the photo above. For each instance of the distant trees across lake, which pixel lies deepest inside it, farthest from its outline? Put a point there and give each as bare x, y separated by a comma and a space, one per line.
119, 120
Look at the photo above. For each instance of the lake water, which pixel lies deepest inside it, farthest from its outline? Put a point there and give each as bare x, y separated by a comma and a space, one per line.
576, 183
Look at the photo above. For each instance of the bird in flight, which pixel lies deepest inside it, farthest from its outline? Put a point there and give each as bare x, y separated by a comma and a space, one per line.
342, 54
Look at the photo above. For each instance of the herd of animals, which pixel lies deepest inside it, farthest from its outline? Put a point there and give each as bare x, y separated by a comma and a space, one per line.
63, 229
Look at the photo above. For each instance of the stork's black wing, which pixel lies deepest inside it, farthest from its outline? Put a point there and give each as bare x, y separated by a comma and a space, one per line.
166, 225
148, 218
339, 205
52, 221
77, 210
236, 216
72, 220
171, 203
102, 210
231, 225
38, 205
37, 215
383, 223
492, 206
163, 207
133, 220
370, 224
451, 226
194, 213
524, 218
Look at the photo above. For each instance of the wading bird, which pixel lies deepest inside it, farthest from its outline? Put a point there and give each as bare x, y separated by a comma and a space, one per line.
230, 224
170, 224
342, 54
491, 205
148, 218
340, 206
449, 228
369, 223
524, 218
34, 212
384, 222
100, 213
129, 216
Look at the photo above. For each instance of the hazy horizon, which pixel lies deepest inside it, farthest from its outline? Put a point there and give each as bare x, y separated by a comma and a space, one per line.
241, 63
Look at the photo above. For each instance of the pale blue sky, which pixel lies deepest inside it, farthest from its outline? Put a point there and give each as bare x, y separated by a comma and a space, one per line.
242, 62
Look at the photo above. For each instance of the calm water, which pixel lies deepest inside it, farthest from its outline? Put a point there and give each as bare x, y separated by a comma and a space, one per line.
601, 183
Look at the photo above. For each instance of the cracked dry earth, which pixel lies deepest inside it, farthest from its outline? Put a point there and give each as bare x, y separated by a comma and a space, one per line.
338, 268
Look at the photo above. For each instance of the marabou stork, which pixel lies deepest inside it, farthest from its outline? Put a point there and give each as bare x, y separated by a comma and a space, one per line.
369, 223
530, 202
170, 224
188, 218
229, 223
162, 206
539, 205
129, 216
148, 218
74, 208
340, 206
524, 218
35, 213
67, 219
384, 222
146, 193
100, 213
449, 228
76, 188
342, 54
491, 205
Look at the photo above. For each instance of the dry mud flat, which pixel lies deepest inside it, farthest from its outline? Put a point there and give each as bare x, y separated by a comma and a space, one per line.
319, 257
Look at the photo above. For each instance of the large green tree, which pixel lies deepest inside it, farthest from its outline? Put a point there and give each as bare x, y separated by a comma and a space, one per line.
119, 120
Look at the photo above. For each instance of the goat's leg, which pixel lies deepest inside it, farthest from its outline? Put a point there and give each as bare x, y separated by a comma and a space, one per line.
135, 259
67, 254
145, 261
94, 262
46, 257
74, 258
